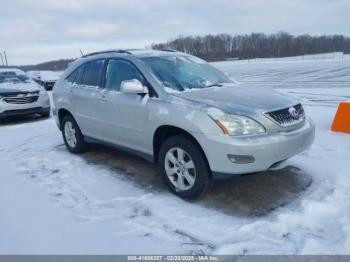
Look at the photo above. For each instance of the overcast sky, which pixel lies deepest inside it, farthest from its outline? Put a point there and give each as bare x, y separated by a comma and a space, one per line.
41, 30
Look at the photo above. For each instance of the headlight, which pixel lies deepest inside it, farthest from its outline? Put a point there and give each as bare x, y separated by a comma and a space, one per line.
236, 125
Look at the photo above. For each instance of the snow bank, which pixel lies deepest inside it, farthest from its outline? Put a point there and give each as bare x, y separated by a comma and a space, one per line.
323, 56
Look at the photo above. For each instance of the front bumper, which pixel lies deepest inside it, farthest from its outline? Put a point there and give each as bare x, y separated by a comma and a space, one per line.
29, 111
267, 149
41, 106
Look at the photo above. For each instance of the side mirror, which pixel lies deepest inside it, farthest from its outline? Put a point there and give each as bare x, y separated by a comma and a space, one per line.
133, 87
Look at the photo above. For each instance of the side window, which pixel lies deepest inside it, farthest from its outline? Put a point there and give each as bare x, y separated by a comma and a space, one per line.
72, 76
119, 71
79, 75
92, 73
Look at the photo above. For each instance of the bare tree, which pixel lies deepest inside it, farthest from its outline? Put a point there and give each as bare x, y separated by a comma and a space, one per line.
281, 44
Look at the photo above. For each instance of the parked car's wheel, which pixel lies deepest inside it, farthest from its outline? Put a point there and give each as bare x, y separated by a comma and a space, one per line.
72, 136
184, 168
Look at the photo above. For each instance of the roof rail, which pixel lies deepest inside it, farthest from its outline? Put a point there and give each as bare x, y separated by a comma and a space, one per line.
168, 50
134, 49
121, 51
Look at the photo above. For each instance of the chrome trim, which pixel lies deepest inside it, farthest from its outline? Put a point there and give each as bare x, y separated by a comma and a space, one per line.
288, 124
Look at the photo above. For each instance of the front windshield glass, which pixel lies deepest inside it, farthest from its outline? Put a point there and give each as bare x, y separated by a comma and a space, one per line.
179, 73
13, 77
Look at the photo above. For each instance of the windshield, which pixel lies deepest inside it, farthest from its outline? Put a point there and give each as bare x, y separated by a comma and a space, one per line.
12, 77
185, 72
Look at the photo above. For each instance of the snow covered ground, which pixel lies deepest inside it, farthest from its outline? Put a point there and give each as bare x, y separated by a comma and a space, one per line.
108, 202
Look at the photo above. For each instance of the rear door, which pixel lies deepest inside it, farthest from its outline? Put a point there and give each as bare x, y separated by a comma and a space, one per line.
86, 97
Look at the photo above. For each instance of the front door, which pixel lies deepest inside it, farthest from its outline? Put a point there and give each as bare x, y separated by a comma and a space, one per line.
126, 112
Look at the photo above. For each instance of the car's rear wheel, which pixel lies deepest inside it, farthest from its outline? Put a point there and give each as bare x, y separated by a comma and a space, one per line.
72, 136
184, 167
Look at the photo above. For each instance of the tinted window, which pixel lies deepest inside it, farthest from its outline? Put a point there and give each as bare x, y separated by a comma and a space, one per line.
92, 73
79, 75
72, 76
119, 71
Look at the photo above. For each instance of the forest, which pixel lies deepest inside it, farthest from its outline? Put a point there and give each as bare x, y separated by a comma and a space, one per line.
256, 45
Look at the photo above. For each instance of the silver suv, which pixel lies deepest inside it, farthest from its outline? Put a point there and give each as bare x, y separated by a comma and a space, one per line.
180, 112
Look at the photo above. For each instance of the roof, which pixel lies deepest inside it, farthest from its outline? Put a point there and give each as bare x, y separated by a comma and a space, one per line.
151, 52
135, 52
139, 53
9, 69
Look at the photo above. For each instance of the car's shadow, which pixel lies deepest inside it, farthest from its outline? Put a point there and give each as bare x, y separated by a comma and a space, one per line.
16, 120
246, 196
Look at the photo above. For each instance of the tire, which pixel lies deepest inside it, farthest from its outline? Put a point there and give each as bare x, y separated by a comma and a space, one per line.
72, 136
200, 173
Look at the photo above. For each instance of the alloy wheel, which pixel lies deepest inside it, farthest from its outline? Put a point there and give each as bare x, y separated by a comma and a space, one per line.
180, 168
70, 134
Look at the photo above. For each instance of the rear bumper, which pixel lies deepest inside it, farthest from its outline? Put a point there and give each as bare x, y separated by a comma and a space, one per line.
266, 149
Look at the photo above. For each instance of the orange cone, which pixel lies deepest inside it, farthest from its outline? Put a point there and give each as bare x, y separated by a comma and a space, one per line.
341, 121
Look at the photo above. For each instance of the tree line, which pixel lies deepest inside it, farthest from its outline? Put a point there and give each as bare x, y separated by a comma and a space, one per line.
58, 65
256, 45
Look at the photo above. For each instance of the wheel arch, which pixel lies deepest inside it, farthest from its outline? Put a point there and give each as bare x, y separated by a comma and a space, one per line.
164, 132
61, 114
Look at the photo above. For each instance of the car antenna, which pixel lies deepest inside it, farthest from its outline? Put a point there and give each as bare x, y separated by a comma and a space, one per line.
2, 60
6, 59
81, 52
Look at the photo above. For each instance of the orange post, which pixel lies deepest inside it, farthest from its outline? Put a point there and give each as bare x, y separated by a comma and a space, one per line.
341, 121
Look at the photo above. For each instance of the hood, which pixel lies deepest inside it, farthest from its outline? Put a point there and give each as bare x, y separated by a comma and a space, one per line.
233, 98
6, 88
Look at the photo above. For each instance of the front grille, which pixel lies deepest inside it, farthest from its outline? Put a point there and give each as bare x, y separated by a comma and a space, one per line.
25, 99
287, 116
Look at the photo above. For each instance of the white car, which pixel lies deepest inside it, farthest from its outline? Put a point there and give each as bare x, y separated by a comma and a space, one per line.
19, 95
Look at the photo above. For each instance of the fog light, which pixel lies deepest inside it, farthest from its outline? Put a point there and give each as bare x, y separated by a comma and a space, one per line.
241, 159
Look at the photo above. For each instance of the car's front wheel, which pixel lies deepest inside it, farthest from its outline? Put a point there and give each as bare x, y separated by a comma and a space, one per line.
72, 136
184, 167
